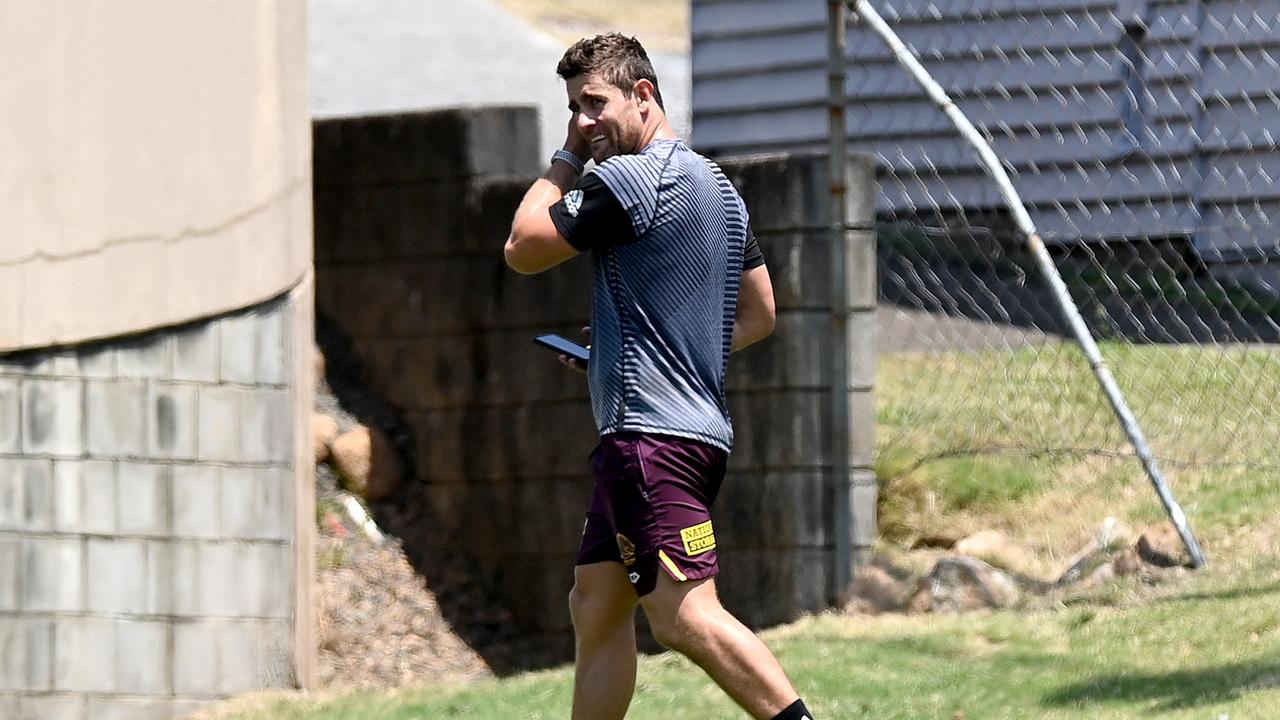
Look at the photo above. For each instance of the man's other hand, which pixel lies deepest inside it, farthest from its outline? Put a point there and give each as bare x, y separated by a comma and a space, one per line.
571, 362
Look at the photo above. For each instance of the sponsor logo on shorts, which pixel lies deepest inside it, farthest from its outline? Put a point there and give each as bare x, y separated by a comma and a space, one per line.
634, 578
627, 550
698, 539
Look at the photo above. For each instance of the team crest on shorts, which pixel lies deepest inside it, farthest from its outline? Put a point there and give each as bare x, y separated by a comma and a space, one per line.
627, 549
698, 539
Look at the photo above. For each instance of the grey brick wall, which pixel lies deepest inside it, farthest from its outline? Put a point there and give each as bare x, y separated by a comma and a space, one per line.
780, 507
147, 520
411, 215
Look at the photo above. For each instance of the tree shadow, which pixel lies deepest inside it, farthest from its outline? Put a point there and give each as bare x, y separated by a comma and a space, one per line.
1172, 690
467, 600
1230, 594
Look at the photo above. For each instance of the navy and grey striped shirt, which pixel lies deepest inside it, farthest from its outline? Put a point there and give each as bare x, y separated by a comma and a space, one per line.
669, 235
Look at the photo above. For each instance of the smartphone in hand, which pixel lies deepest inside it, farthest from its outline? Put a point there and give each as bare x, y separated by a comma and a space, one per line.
564, 346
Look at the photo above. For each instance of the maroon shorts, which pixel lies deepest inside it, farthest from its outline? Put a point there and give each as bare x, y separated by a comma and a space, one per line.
651, 507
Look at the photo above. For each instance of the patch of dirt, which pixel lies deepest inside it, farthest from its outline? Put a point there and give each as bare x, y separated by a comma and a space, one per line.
380, 625
409, 610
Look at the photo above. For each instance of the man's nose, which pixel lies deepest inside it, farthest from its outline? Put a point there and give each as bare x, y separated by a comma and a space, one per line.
585, 123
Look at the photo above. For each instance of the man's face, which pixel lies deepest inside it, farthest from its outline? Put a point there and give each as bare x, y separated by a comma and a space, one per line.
610, 122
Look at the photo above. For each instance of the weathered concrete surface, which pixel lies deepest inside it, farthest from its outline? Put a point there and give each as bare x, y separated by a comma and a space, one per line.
161, 186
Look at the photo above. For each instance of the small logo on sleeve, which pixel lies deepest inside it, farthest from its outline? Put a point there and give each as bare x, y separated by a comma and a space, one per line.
573, 202
698, 539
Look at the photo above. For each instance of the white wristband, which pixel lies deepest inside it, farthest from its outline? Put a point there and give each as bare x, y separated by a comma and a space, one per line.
570, 158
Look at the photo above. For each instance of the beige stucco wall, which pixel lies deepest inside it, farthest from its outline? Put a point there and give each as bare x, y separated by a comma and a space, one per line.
156, 163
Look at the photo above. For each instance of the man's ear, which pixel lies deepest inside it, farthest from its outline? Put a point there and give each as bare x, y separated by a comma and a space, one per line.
644, 91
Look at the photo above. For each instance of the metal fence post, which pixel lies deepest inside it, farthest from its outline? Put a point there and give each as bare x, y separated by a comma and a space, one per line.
842, 572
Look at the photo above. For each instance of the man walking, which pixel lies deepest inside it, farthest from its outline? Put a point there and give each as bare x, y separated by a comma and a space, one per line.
679, 283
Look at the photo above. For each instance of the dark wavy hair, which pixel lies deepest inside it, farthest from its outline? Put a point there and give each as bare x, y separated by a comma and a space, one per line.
620, 60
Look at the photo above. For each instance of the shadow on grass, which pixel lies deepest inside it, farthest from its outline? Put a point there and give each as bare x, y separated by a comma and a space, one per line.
1172, 690
1234, 593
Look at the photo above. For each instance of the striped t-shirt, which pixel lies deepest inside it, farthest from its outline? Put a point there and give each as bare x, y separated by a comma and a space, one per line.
667, 232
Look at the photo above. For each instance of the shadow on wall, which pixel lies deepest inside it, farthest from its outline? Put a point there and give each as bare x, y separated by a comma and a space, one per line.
419, 308
466, 597
411, 215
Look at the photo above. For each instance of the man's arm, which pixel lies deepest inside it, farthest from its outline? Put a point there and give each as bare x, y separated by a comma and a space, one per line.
535, 244
755, 314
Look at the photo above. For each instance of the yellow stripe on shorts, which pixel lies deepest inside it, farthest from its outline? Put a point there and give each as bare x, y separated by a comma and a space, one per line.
662, 555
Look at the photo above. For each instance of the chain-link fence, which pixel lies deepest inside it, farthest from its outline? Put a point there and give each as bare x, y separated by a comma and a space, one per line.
1143, 137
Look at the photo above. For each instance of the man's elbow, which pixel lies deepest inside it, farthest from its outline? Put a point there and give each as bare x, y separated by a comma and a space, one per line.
764, 324
517, 259
766, 315
768, 322
751, 328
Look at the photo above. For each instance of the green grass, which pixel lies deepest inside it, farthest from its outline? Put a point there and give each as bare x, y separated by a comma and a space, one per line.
977, 482
976, 440
1024, 441
1195, 650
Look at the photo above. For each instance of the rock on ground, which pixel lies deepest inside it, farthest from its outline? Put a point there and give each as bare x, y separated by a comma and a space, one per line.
324, 430
963, 583
994, 547
874, 590
1162, 546
368, 461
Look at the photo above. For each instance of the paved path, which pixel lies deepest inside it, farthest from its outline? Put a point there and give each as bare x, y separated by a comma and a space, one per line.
378, 56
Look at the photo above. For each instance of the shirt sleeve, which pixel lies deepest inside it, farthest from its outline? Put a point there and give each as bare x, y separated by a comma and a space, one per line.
590, 216
751, 256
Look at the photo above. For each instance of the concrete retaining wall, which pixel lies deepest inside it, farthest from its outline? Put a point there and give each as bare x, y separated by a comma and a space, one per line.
148, 519
163, 173
778, 513
411, 215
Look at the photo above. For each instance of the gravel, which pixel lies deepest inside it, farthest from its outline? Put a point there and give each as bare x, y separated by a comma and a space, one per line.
380, 625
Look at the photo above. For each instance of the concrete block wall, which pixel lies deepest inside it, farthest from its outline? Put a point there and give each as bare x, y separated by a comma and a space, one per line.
411, 215
783, 491
147, 520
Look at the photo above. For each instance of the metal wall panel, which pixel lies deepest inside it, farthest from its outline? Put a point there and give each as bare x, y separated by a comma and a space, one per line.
1168, 131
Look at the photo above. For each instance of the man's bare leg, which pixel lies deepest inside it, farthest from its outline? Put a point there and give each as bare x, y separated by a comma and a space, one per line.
688, 618
603, 605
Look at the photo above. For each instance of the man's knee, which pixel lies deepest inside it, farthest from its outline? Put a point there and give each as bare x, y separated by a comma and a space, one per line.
598, 598
672, 631
679, 613
580, 603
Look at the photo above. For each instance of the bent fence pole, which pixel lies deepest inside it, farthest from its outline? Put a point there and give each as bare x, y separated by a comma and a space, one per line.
1081, 332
